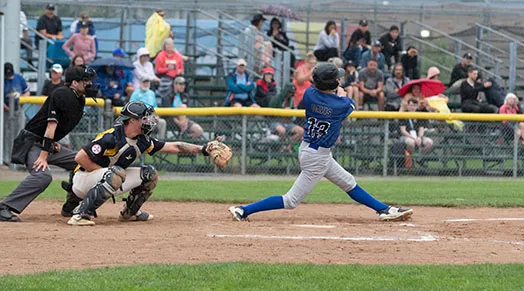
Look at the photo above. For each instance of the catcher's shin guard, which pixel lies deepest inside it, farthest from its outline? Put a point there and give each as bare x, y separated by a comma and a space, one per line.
72, 200
105, 189
139, 195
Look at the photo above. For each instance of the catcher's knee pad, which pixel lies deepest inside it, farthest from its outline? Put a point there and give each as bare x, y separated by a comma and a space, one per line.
139, 195
103, 190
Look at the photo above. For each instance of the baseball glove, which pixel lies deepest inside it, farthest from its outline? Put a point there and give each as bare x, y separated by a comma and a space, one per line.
219, 152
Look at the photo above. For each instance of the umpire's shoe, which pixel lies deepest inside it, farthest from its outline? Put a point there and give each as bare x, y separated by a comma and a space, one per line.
237, 213
393, 213
7, 215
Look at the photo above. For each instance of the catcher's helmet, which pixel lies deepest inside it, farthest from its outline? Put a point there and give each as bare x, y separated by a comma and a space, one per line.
325, 76
139, 110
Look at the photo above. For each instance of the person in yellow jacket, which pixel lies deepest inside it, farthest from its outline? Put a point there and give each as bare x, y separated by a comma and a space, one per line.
157, 30
440, 102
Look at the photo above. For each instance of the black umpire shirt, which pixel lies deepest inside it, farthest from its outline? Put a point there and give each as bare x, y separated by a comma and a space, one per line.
65, 107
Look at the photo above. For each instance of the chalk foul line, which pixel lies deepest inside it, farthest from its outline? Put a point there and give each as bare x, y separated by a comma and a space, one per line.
423, 238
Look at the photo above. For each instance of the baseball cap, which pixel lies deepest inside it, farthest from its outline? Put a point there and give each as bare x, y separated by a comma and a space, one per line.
144, 79
258, 17
468, 56
241, 62
349, 63
50, 6
118, 52
377, 43
57, 68
79, 73
363, 22
84, 24
180, 80
9, 70
328, 71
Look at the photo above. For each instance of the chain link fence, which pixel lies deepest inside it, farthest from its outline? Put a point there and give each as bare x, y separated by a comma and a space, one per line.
269, 145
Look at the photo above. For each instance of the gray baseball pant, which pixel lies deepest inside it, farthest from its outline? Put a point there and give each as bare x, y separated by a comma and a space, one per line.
37, 182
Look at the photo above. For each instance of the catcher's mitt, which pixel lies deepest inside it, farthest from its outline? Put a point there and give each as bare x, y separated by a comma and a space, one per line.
219, 152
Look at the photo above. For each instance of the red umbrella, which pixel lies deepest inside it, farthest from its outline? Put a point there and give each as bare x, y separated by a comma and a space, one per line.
428, 87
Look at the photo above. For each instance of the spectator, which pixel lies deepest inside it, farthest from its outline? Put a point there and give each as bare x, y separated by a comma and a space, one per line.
143, 68
75, 61
240, 87
25, 42
358, 43
147, 96
302, 78
125, 75
277, 33
328, 42
169, 64
371, 85
511, 107
157, 31
110, 85
49, 25
266, 87
410, 62
375, 53
351, 80
397, 80
285, 128
440, 102
469, 91
414, 92
55, 82
412, 134
83, 17
336, 61
14, 87
263, 49
392, 45
179, 99
459, 73
82, 44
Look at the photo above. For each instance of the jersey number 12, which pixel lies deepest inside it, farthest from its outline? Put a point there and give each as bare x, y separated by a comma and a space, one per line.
317, 128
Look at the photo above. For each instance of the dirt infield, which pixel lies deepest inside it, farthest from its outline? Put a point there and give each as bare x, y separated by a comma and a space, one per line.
203, 232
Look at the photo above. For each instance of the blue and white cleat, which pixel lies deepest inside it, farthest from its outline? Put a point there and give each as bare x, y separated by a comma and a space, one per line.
393, 213
237, 213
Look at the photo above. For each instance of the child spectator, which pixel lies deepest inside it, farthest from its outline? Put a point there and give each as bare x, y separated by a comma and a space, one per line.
266, 87
147, 96
412, 133
351, 80
143, 68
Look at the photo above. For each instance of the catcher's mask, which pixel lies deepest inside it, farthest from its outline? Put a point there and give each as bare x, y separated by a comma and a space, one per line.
139, 110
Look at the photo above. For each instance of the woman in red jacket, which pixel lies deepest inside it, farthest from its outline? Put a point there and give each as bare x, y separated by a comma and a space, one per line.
169, 64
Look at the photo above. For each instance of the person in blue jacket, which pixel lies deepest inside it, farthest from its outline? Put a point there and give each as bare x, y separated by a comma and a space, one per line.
240, 87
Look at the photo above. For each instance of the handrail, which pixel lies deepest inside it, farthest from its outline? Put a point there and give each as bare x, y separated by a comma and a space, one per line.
498, 49
253, 73
499, 34
457, 40
38, 33
452, 54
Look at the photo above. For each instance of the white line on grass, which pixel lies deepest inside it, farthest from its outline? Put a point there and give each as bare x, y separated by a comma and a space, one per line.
423, 238
487, 219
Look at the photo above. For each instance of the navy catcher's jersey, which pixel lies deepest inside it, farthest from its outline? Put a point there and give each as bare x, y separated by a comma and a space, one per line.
112, 147
324, 116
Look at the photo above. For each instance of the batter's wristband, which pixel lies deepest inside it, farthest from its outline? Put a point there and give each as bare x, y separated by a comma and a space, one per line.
204, 151
47, 144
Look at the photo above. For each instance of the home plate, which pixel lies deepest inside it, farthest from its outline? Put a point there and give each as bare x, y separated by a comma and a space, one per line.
314, 226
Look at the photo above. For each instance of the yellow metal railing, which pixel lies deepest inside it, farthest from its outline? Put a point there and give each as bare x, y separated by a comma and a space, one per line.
200, 111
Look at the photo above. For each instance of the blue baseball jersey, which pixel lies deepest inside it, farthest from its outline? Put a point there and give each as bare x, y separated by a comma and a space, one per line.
324, 116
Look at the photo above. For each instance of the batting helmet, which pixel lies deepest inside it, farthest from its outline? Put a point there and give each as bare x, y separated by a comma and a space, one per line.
325, 76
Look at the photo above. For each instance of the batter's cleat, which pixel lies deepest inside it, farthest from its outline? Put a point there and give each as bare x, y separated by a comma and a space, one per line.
80, 220
139, 216
6, 214
393, 213
237, 213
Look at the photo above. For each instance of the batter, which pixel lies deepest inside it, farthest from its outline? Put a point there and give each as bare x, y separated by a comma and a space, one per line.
326, 109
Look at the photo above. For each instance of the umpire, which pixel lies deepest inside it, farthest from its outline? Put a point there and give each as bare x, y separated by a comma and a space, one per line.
36, 145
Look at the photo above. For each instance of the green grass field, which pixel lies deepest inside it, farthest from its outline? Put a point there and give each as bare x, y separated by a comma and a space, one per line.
251, 276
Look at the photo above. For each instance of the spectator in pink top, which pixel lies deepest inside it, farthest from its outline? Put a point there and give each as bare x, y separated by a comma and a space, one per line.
511, 106
82, 44
169, 64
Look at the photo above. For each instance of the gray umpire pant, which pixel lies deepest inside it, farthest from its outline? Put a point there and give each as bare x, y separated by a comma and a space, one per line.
37, 182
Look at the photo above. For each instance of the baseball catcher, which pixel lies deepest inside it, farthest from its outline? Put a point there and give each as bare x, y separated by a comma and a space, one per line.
104, 166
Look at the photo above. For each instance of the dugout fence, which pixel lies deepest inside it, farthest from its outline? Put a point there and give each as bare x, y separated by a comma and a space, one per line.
370, 142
